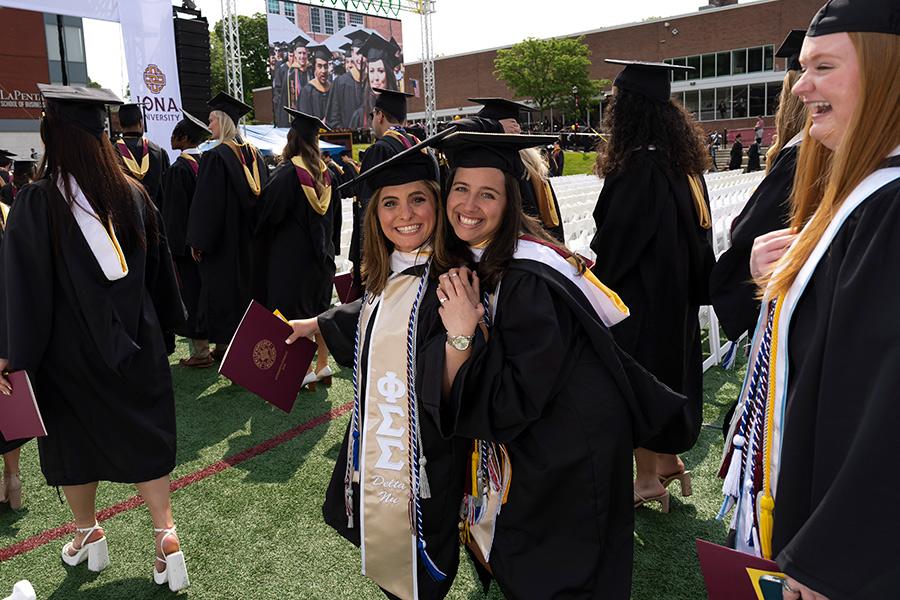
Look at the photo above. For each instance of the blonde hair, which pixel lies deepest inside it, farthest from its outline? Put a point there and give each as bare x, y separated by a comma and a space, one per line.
534, 163
824, 178
227, 128
790, 117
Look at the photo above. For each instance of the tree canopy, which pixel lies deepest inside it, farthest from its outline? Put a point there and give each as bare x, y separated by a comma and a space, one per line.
547, 70
254, 37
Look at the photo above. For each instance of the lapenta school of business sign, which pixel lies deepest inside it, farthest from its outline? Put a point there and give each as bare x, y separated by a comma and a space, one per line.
20, 99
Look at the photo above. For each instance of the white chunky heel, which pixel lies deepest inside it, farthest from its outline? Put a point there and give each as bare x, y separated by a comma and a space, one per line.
175, 572
96, 553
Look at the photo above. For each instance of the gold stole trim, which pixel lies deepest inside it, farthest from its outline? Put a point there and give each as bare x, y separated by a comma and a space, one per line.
318, 203
543, 196
252, 178
388, 539
315, 83
4, 214
111, 234
700, 201
138, 171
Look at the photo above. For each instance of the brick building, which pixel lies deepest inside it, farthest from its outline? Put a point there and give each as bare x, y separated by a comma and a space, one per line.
731, 45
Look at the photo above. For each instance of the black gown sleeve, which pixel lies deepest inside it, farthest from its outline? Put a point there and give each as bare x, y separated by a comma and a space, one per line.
160, 278
207, 216
178, 185
338, 327
26, 281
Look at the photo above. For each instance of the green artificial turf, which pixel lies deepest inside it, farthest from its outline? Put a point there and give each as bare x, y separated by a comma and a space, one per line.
578, 163
255, 531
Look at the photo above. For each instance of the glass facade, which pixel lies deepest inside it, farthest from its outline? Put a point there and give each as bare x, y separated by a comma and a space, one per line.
72, 46
731, 102
723, 64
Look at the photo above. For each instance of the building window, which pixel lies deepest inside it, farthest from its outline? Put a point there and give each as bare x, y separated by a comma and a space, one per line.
773, 93
329, 21
755, 60
52, 35
289, 10
693, 61
341, 20
692, 102
739, 62
723, 64
708, 65
739, 102
708, 105
757, 99
768, 58
272, 7
356, 19
679, 75
723, 103
315, 19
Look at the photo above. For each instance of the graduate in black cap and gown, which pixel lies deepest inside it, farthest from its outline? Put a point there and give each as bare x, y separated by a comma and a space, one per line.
180, 184
405, 253
23, 173
347, 89
380, 63
653, 246
279, 87
732, 291
557, 403
143, 159
297, 71
295, 228
221, 222
5, 164
828, 344
88, 286
315, 95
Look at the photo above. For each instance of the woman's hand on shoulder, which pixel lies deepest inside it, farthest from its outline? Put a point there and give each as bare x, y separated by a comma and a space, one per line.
459, 293
768, 250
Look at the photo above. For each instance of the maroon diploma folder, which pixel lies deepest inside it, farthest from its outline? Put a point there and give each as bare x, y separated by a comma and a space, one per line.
259, 360
732, 575
346, 291
19, 414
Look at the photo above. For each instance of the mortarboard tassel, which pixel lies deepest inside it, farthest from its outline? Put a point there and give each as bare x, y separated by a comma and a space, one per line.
432, 568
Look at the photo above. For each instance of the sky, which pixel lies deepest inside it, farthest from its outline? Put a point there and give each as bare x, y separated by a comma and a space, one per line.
498, 23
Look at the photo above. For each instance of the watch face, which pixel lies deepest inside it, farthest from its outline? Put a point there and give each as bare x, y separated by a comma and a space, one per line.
460, 342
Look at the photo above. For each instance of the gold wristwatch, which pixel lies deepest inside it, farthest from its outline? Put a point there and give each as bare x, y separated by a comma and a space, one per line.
460, 342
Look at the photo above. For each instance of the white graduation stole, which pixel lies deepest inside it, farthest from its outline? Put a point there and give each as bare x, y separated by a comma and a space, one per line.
101, 239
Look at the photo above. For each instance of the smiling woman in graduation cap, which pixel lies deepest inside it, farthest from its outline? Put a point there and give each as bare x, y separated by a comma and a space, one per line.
557, 404
88, 286
295, 229
380, 62
821, 393
220, 226
653, 247
396, 475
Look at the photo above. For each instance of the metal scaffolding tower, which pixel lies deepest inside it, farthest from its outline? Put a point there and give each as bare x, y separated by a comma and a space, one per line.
425, 9
232, 50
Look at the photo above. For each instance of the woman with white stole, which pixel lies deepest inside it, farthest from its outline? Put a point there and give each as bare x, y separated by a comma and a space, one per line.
818, 410
548, 387
397, 484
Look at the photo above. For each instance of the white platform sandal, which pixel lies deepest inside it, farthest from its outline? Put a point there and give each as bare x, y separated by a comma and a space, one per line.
175, 572
325, 375
96, 553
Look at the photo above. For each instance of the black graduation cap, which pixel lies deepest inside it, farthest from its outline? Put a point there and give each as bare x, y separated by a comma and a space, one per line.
23, 165
229, 105
377, 48
346, 47
396, 49
790, 49
842, 16
357, 37
6, 154
319, 51
131, 112
392, 102
649, 79
308, 126
500, 108
301, 41
83, 107
416, 163
197, 126
497, 150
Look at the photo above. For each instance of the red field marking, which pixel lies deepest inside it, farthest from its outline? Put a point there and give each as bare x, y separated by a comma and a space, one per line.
36, 541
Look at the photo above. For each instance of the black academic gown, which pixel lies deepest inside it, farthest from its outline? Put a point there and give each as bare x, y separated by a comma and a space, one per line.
339, 176
298, 244
557, 163
314, 101
737, 156
753, 158
294, 82
159, 163
8, 194
551, 384
347, 96
180, 183
652, 251
732, 291
446, 458
842, 414
93, 347
279, 99
220, 225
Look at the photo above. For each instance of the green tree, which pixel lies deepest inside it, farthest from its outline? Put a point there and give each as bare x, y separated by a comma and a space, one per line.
547, 70
254, 55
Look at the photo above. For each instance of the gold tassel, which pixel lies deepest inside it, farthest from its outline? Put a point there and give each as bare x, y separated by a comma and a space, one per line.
766, 524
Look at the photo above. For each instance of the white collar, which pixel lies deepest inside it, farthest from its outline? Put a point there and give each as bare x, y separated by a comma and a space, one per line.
195, 151
477, 253
401, 261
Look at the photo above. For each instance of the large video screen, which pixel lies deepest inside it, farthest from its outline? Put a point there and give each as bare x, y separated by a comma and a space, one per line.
327, 62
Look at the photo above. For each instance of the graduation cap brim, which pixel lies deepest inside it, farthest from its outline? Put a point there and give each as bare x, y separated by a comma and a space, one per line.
377, 48
357, 37
844, 16
649, 79
320, 51
790, 48
195, 122
230, 105
6, 154
469, 149
308, 125
392, 102
23, 164
399, 158
500, 108
83, 107
301, 41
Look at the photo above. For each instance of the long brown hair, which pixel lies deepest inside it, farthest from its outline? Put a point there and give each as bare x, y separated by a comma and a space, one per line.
308, 150
376, 263
634, 122
95, 165
502, 246
824, 178
790, 118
